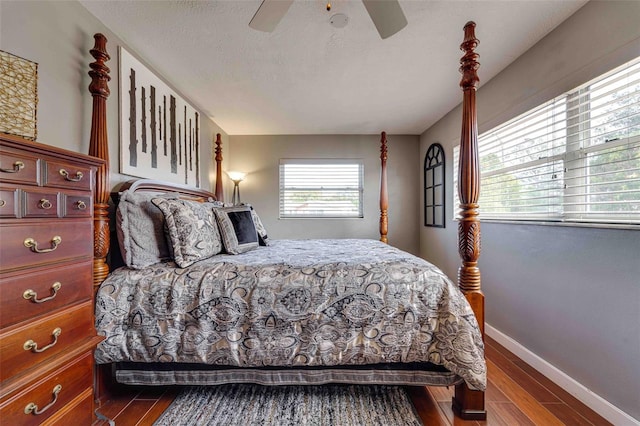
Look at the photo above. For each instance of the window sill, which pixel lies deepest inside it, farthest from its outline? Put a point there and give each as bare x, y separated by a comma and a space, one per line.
625, 226
320, 217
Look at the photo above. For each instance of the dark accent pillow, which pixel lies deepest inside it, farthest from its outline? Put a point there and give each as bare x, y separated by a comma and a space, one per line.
192, 230
263, 238
237, 229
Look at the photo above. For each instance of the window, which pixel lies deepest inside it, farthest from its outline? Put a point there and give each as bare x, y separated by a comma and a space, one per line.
434, 186
321, 188
575, 158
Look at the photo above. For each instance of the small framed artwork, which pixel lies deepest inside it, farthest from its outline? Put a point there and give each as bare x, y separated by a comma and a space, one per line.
18, 96
434, 199
159, 130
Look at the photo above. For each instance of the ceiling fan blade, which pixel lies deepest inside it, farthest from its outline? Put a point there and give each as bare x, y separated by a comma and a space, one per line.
269, 14
387, 16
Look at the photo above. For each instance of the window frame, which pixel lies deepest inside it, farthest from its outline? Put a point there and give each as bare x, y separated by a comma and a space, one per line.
331, 188
576, 205
434, 166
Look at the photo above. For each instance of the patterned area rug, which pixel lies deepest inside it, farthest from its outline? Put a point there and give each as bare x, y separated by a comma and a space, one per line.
328, 405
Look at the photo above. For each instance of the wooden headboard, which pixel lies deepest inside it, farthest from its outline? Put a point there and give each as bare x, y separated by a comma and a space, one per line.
150, 185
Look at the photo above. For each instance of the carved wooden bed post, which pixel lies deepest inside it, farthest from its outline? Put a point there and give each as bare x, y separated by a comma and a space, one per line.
219, 193
384, 197
469, 404
99, 147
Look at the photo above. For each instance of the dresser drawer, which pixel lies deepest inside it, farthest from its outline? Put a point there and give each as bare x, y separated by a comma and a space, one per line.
19, 168
77, 412
77, 206
50, 335
8, 202
67, 175
49, 394
39, 203
44, 242
30, 295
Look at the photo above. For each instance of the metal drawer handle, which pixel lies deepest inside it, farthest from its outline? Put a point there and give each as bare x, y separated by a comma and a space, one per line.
65, 173
32, 408
45, 204
32, 346
81, 205
3, 203
17, 166
33, 296
33, 244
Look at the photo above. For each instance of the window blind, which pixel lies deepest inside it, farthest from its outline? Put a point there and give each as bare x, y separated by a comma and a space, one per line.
575, 158
321, 188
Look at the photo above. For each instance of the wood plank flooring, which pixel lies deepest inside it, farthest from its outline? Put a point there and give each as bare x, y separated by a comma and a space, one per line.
516, 395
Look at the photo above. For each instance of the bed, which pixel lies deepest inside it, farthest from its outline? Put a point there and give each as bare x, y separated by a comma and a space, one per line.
288, 311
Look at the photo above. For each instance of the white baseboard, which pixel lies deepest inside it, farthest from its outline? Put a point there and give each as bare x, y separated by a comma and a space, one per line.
598, 404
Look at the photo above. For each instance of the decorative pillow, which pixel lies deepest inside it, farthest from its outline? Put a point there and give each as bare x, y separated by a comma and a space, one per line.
263, 239
237, 229
140, 229
192, 230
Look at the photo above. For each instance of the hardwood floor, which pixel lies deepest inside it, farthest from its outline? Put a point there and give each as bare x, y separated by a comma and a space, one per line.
516, 395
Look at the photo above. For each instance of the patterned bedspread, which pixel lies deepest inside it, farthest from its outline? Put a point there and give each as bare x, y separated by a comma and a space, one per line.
293, 303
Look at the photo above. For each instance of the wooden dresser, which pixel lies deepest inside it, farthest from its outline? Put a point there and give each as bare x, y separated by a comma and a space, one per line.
47, 333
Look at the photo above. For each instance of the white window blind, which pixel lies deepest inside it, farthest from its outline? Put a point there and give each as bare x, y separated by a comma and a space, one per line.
321, 188
575, 158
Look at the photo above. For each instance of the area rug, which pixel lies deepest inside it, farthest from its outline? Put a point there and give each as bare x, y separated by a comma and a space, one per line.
327, 405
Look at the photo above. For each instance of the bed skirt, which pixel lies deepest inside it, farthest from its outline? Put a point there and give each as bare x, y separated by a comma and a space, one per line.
161, 374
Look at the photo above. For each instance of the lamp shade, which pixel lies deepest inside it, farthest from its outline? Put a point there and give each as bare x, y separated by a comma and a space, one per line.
236, 176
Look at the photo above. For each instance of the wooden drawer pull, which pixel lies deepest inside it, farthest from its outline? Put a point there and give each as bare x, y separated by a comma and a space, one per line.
81, 205
17, 166
32, 408
45, 204
32, 346
33, 244
33, 296
66, 175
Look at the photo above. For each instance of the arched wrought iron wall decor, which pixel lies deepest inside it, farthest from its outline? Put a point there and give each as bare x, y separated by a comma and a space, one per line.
434, 199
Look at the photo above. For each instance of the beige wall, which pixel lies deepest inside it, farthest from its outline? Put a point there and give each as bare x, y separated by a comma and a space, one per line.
570, 295
260, 156
58, 36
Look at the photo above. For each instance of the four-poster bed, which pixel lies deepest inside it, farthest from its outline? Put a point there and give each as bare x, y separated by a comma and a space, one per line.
417, 368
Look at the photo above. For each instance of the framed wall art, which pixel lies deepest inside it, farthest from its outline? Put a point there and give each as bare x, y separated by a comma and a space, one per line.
159, 130
18, 96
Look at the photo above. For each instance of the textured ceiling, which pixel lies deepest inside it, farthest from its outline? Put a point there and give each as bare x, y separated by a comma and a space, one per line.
308, 77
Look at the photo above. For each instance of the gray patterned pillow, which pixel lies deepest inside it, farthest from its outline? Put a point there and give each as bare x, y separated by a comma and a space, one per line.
237, 229
140, 229
192, 230
263, 238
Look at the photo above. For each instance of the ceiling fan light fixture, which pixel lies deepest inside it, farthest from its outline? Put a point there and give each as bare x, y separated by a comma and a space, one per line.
387, 15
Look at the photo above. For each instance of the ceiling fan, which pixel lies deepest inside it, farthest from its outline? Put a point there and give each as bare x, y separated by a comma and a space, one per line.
387, 15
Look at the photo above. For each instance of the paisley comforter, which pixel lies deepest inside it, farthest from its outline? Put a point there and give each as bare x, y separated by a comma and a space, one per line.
293, 303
